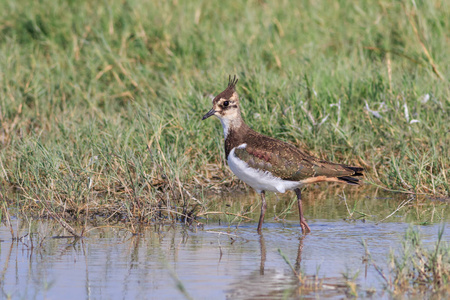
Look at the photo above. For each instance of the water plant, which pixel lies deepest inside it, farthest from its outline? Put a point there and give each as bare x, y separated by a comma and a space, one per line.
416, 269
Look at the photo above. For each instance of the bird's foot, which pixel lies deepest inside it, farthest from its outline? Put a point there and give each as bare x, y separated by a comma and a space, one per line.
304, 226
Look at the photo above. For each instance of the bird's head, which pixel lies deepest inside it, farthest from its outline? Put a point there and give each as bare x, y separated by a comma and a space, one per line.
226, 104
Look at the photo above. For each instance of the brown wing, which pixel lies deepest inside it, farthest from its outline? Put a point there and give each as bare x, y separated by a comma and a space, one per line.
286, 161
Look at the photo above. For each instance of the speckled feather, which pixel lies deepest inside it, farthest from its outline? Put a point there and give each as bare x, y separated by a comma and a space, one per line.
279, 158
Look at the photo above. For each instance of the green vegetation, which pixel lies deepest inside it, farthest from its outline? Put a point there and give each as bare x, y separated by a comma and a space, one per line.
418, 266
101, 102
416, 269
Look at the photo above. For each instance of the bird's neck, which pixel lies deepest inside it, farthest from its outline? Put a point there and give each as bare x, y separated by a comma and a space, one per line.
232, 124
235, 132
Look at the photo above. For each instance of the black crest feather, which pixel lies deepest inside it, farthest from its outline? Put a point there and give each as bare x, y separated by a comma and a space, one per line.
228, 92
232, 81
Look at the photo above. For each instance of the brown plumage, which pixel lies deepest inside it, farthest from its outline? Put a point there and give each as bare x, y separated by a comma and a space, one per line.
277, 165
283, 160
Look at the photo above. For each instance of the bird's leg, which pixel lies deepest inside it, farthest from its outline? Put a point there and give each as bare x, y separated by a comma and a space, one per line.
303, 224
263, 211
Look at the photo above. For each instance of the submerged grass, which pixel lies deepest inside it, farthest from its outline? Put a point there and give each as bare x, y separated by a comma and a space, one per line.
417, 267
100, 102
416, 270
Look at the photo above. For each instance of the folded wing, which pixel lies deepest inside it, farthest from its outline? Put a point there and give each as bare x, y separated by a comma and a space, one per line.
290, 163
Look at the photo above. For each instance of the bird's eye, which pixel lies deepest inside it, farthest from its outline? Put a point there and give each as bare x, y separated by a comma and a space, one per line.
226, 103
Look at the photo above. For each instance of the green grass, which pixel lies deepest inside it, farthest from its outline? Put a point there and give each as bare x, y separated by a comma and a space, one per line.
416, 270
101, 102
417, 266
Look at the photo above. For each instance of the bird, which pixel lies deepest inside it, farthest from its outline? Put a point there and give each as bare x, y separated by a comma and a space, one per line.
269, 164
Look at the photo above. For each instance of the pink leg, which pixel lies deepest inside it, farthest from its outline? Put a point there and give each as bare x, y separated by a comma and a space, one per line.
263, 211
303, 224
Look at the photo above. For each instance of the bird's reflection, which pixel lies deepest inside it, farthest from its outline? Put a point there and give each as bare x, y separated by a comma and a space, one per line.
263, 252
267, 282
299, 255
262, 246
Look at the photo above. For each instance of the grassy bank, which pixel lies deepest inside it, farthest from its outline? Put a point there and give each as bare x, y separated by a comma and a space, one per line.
100, 102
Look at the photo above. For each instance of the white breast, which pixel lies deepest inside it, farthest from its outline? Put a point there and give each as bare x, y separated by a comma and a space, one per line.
258, 179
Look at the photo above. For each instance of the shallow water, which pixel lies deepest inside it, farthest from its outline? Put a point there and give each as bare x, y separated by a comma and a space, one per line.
221, 261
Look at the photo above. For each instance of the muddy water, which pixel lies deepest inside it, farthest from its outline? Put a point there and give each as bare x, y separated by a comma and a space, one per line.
224, 260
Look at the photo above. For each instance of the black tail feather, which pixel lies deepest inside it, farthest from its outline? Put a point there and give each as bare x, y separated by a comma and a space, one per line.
349, 179
358, 171
352, 178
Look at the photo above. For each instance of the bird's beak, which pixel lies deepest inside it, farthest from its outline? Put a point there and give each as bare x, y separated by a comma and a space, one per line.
209, 114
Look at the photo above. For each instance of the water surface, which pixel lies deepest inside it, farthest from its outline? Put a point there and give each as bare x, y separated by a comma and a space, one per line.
226, 260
